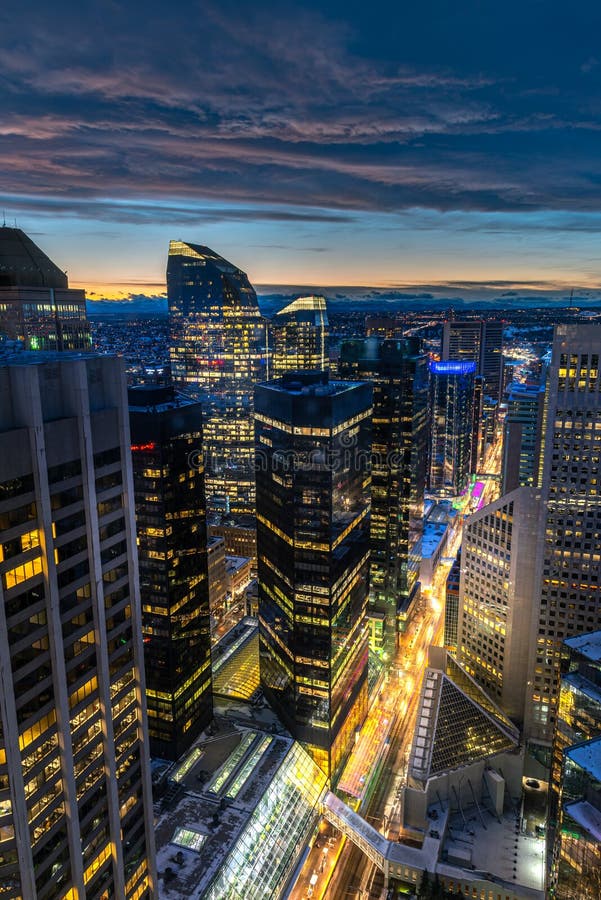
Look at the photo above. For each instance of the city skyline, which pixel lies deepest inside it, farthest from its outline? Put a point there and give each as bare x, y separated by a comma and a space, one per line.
330, 145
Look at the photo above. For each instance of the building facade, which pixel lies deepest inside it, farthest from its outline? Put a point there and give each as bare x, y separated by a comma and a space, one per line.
313, 464
452, 400
574, 836
298, 337
37, 306
166, 436
569, 569
76, 807
218, 352
479, 341
522, 435
497, 609
398, 371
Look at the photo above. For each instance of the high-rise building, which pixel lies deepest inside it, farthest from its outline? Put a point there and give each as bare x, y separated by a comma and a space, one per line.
491, 358
218, 352
398, 371
496, 621
312, 465
298, 337
166, 436
575, 787
76, 805
37, 306
452, 399
480, 341
522, 435
451, 606
570, 527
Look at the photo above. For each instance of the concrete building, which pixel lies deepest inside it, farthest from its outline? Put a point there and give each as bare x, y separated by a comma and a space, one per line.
522, 435
37, 306
217, 574
569, 565
497, 610
76, 805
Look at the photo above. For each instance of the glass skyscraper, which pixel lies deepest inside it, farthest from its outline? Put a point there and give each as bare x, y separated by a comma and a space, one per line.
299, 337
452, 399
398, 371
218, 352
167, 455
313, 480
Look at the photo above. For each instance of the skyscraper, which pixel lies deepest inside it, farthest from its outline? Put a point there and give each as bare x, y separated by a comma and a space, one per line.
166, 436
496, 621
452, 399
37, 306
480, 341
313, 462
299, 337
398, 371
570, 528
218, 352
76, 810
522, 435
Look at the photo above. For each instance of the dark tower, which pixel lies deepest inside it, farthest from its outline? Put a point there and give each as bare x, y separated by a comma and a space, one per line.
167, 458
398, 371
313, 462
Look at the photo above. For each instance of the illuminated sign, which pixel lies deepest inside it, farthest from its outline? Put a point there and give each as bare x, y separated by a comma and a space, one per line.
453, 367
138, 447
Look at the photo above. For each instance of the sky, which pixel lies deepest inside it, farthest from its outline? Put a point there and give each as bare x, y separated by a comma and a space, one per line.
388, 144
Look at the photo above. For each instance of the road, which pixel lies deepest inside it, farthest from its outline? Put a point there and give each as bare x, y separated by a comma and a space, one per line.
347, 873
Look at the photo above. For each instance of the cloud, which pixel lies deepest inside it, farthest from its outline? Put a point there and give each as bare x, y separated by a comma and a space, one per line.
269, 104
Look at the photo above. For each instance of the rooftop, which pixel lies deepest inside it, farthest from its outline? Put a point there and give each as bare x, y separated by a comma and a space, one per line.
587, 816
238, 810
453, 729
588, 645
588, 756
23, 264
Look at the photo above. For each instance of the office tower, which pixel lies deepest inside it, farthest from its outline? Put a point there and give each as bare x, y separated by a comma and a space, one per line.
383, 326
452, 400
522, 435
481, 342
299, 337
217, 577
76, 809
479, 429
166, 444
496, 622
218, 350
37, 306
398, 371
575, 789
570, 529
312, 464
451, 607
491, 358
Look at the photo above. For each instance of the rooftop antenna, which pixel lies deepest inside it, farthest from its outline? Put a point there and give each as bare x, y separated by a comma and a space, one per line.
571, 297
